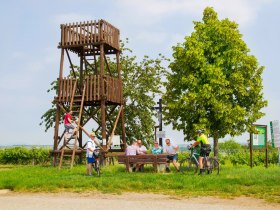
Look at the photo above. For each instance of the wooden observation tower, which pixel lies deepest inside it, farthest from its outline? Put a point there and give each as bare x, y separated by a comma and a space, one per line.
91, 43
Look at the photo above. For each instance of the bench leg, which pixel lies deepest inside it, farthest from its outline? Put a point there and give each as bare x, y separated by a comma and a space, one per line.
161, 167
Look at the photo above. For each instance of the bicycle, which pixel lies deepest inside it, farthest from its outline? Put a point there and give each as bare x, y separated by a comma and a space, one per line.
211, 165
191, 164
96, 154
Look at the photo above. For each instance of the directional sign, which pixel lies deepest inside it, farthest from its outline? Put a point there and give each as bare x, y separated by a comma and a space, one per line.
160, 134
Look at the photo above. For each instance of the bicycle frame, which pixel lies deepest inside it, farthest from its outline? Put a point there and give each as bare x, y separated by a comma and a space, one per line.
192, 156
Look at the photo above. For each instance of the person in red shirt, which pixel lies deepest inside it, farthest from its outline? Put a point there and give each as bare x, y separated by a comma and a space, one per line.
68, 124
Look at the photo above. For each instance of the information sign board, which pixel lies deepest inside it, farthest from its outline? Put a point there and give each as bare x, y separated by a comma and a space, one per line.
275, 133
259, 139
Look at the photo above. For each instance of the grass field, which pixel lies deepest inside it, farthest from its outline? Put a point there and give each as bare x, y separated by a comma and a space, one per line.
257, 182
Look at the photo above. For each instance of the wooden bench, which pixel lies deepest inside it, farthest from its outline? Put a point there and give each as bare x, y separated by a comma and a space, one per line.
155, 160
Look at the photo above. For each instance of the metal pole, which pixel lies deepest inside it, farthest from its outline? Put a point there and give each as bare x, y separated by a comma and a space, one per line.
251, 151
266, 148
160, 119
279, 156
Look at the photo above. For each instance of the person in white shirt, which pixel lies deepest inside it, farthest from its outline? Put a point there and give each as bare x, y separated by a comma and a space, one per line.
90, 148
142, 150
132, 149
171, 150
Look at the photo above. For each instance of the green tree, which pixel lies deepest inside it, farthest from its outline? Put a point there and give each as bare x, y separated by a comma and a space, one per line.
141, 82
230, 146
215, 82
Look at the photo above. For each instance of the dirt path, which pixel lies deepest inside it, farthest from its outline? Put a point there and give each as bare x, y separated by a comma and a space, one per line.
126, 201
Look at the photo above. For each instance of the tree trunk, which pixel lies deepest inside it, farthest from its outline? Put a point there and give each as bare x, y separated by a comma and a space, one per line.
216, 147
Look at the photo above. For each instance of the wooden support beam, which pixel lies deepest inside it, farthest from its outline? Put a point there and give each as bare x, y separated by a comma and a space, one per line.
113, 131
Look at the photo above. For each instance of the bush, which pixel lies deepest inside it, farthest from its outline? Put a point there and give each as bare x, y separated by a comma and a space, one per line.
22, 155
243, 157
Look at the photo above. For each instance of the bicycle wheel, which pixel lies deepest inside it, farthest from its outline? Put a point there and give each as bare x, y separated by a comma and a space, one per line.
188, 166
214, 166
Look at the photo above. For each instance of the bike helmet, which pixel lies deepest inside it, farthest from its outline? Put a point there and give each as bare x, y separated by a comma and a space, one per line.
200, 131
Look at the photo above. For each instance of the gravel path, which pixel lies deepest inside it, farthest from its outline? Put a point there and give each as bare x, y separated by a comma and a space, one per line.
127, 201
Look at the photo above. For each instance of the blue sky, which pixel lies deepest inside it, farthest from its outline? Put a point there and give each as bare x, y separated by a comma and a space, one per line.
30, 33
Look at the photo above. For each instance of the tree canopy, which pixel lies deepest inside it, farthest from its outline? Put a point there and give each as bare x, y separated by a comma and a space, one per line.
215, 83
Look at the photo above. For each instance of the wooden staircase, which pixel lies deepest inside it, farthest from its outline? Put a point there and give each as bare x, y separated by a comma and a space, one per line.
68, 143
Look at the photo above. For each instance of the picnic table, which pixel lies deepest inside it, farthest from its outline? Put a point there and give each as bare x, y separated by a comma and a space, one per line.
156, 160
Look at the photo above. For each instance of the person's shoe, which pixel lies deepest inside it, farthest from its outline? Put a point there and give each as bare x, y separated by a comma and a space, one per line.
167, 170
201, 171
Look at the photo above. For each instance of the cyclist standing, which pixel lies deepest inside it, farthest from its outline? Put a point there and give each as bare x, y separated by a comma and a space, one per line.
205, 147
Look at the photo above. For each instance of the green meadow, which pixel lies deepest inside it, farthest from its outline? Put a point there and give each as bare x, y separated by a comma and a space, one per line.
257, 182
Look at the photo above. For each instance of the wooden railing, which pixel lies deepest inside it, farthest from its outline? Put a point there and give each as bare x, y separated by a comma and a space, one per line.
112, 89
88, 33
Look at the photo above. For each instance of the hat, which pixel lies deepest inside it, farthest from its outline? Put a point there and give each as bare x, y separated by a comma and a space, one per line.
92, 134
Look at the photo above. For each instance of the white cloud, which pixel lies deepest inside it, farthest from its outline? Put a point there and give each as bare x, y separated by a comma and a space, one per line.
244, 12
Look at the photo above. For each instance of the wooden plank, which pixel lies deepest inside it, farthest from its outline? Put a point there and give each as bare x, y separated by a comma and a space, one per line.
74, 34
90, 90
66, 35
87, 84
60, 89
91, 31
66, 90
70, 90
94, 87
108, 87
98, 87
84, 33
81, 33
95, 26
62, 34
73, 93
99, 31
88, 33
104, 31
69, 34
62, 95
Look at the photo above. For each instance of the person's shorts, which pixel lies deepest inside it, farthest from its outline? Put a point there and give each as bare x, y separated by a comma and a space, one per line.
68, 127
90, 160
172, 157
205, 150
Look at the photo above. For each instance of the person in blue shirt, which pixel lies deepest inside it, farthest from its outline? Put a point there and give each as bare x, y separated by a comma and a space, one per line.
156, 149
